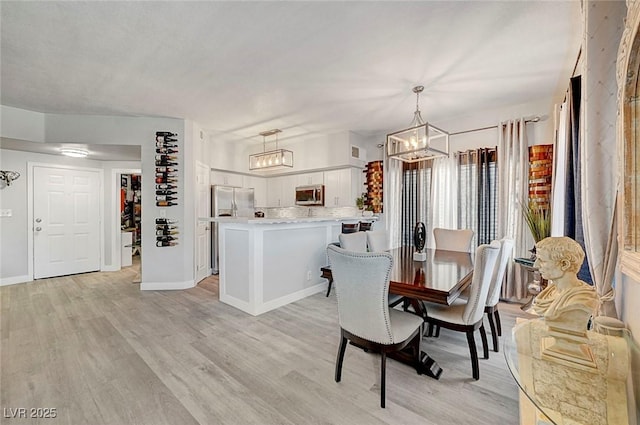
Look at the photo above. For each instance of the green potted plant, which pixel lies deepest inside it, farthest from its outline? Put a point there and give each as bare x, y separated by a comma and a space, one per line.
360, 200
538, 218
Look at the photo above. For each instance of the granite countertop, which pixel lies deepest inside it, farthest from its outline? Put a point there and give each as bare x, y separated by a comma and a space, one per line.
279, 220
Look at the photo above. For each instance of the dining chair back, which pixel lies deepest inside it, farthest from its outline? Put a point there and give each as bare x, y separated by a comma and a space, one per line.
453, 239
493, 297
362, 288
365, 226
467, 317
356, 241
378, 240
350, 227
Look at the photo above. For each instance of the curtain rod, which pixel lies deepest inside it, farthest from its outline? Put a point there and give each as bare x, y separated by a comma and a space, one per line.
534, 119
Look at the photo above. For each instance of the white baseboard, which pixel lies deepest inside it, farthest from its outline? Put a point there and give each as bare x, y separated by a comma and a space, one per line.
166, 286
14, 279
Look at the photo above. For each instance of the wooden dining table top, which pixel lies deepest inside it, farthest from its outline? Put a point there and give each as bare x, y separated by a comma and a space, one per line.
439, 279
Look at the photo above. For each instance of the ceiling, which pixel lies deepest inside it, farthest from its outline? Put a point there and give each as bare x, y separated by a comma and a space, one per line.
239, 68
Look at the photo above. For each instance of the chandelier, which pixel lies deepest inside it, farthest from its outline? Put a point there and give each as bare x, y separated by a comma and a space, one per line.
271, 160
419, 142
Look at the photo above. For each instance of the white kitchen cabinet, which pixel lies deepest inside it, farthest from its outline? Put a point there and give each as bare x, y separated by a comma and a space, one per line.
259, 185
308, 179
281, 191
342, 187
226, 179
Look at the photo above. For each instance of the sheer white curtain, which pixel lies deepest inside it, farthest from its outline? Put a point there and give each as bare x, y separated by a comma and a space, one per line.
513, 169
559, 175
392, 194
444, 196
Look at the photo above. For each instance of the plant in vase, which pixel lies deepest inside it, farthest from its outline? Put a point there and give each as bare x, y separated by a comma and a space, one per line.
538, 218
360, 201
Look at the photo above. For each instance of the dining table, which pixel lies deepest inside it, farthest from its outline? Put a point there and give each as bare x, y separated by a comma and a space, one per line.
441, 278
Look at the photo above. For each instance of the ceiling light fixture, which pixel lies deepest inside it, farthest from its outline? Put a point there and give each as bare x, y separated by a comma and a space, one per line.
75, 153
271, 160
419, 142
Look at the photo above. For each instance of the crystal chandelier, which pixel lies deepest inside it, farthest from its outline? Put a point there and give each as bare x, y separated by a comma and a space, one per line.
271, 160
419, 142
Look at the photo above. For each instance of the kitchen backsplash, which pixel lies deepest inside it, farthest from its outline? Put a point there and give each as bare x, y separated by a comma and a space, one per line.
299, 212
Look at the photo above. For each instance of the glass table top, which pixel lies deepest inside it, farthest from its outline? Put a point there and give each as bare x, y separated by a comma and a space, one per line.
598, 387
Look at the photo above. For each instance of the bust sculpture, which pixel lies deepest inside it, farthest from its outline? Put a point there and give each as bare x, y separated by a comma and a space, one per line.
566, 303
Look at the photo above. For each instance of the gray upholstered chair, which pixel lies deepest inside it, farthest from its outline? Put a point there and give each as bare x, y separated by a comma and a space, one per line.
362, 288
467, 317
453, 239
350, 227
356, 241
378, 240
493, 297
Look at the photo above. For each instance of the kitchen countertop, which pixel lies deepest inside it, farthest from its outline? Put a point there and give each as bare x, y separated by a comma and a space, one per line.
279, 220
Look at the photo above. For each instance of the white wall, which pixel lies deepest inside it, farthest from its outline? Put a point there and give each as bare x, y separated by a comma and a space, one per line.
14, 229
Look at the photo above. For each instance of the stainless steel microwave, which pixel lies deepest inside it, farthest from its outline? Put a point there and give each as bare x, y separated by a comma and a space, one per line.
310, 195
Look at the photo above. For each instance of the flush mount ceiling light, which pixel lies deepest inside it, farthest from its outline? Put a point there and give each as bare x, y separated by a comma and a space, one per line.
271, 160
75, 153
419, 142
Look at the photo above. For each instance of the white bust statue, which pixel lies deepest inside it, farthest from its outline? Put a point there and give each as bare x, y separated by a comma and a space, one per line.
567, 302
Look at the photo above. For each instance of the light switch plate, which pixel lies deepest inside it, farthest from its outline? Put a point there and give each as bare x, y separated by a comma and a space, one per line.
6, 213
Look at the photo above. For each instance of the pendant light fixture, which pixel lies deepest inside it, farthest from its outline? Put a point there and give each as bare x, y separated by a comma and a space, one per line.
419, 142
271, 160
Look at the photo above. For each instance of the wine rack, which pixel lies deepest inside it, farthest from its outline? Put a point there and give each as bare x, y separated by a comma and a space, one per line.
166, 169
166, 232
540, 175
373, 182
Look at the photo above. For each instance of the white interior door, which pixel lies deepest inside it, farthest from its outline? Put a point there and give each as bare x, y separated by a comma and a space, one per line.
203, 228
66, 221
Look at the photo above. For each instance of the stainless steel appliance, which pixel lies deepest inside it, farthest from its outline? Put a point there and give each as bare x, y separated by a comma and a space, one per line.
228, 201
310, 195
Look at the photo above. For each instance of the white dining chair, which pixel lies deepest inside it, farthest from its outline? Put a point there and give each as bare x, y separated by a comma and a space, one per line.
353, 241
453, 239
468, 317
362, 288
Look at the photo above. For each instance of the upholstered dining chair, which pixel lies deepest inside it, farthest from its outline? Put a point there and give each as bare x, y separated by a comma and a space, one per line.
468, 317
378, 241
493, 297
362, 288
356, 241
365, 226
453, 239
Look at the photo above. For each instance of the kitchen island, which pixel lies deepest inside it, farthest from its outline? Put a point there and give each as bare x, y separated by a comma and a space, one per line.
266, 263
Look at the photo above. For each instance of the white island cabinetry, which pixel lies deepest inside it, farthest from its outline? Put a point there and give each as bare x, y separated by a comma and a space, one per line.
268, 263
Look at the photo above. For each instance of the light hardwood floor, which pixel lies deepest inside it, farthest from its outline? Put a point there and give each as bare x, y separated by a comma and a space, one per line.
100, 351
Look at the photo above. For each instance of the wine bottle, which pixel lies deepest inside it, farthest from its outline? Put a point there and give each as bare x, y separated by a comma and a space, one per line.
166, 164
166, 144
166, 186
164, 169
166, 203
166, 151
166, 192
165, 174
165, 198
166, 238
166, 133
165, 180
165, 243
166, 232
166, 227
165, 221
162, 157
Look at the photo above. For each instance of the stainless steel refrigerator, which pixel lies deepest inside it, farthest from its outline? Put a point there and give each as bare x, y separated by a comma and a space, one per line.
228, 201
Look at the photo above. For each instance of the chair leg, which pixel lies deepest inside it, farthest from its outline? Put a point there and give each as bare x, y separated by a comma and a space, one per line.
495, 313
417, 351
494, 332
382, 378
329, 289
474, 355
341, 350
437, 334
485, 346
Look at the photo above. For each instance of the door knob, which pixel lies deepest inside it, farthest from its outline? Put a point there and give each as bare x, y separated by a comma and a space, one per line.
38, 228
38, 220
